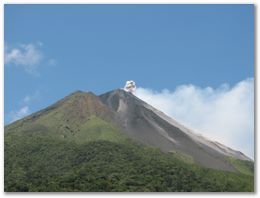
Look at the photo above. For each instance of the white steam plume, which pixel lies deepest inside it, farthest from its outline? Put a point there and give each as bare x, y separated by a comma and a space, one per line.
130, 86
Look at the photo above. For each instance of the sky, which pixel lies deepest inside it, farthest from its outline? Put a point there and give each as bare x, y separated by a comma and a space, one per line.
197, 59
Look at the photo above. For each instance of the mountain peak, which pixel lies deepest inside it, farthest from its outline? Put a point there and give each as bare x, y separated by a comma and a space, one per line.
137, 119
80, 93
80, 105
76, 107
149, 126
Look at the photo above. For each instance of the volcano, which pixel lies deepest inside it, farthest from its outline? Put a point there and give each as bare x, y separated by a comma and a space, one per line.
72, 131
152, 127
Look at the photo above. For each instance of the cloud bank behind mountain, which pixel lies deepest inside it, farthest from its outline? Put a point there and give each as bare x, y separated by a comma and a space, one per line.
224, 114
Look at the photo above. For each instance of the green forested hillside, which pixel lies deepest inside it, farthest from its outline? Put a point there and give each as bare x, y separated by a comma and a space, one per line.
40, 163
74, 146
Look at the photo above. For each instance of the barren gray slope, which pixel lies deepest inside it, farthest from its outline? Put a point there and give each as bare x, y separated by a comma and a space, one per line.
147, 125
203, 141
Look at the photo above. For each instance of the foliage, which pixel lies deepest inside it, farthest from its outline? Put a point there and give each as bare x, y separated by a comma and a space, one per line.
39, 162
243, 166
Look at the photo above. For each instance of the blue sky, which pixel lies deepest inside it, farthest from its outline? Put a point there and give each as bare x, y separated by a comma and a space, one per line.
53, 50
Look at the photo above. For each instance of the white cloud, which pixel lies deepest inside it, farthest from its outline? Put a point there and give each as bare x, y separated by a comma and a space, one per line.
28, 56
52, 62
29, 98
25, 107
16, 115
225, 114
